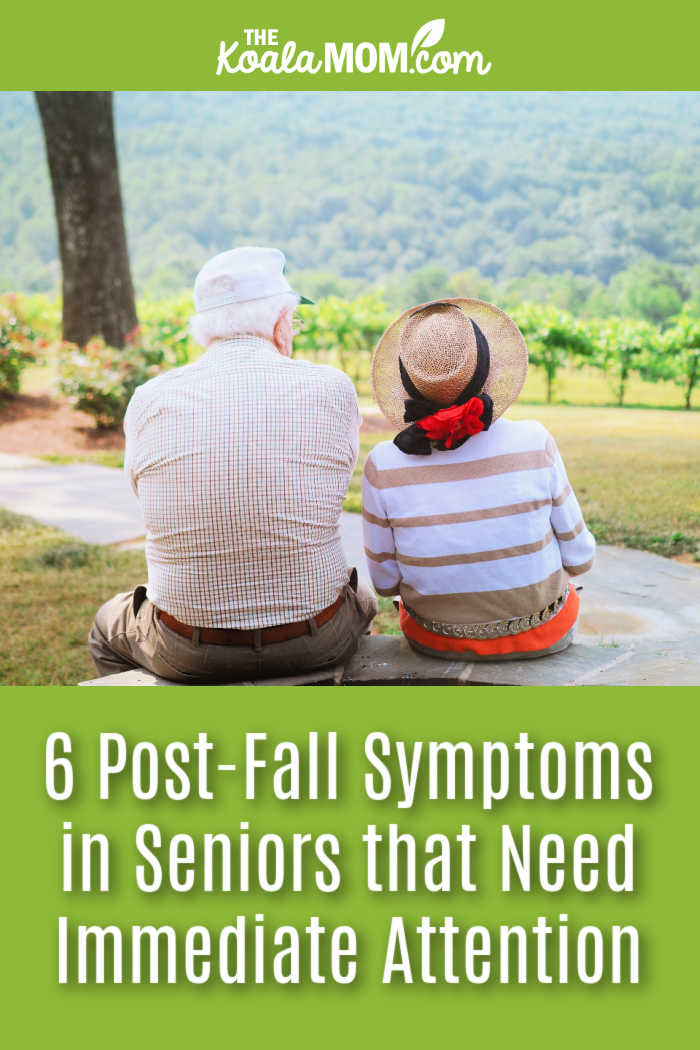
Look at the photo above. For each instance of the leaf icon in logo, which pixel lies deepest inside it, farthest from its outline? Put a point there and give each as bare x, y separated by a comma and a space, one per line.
429, 34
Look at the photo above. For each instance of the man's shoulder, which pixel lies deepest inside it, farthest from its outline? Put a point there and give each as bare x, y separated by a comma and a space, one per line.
162, 381
326, 381
324, 375
155, 389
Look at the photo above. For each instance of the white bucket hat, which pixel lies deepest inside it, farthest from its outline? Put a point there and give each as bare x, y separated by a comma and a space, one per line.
241, 275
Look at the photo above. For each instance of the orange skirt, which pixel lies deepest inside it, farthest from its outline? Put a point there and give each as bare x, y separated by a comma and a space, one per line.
535, 638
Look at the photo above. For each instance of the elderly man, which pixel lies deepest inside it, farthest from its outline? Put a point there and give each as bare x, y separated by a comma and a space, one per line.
241, 462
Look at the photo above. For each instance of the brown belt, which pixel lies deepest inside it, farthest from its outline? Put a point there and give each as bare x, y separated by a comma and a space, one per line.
265, 636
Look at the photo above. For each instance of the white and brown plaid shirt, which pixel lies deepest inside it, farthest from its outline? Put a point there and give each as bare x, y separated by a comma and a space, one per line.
241, 462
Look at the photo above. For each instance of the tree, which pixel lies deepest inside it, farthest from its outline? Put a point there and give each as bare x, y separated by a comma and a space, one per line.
682, 345
98, 296
419, 286
651, 290
345, 332
469, 284
623, 347
552, 337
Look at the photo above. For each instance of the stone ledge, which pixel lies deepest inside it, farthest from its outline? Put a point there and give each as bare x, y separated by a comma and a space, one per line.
388, 660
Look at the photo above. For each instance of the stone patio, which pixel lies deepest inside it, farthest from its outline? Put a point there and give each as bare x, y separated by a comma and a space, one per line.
388, 660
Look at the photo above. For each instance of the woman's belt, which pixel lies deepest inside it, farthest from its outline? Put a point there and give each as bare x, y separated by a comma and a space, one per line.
493, 629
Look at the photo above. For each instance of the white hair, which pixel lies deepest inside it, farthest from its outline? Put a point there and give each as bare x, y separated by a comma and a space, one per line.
256, 317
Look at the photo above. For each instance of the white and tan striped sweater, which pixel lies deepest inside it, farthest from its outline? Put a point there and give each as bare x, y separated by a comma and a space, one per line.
485, 532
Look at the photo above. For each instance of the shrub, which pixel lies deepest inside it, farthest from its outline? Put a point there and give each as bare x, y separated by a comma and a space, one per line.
681, 344
66, 556
99, 379
344, 333
16, 346
41, 313
167, 321
623, 346
553, 337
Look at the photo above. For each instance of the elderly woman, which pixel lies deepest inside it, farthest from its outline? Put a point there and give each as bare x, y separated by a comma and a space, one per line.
469, 517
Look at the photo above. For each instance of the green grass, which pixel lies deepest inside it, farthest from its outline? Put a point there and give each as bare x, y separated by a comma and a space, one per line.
589, 386
52, 586
102, 457
387, 619
634, 470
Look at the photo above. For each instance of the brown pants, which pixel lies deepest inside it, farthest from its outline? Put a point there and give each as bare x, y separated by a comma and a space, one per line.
128, 634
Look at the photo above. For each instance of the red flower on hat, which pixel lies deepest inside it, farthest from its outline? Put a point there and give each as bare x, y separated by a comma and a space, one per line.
455, 422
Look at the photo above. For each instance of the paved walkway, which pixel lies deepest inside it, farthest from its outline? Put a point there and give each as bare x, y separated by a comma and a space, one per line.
92, 503
645, 606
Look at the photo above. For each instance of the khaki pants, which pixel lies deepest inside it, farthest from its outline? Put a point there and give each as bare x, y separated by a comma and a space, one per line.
128, 634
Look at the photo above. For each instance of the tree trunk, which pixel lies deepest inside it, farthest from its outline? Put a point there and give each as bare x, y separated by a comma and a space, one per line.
622, 385
692, 378
98, 296
551, 369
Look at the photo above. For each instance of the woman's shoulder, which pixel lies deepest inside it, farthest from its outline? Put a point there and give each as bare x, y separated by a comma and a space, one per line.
384, 454
520, 431
505, 436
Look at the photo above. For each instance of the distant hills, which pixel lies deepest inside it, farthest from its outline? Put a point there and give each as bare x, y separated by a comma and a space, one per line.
370, 188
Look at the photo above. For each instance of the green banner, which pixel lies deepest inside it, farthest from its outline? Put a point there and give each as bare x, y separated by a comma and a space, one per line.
360, 46
349, 881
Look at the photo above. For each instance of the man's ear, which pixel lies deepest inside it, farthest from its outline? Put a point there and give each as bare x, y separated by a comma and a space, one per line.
282, 333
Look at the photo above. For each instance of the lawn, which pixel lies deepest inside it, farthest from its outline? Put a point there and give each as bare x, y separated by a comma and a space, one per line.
590, 386
52, 585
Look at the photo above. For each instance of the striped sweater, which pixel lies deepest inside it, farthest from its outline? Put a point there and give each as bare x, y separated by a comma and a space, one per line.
485, 532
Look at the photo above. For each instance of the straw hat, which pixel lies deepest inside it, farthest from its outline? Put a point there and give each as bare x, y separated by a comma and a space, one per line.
438, 348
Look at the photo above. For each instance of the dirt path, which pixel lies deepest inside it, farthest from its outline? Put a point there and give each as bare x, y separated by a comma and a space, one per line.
37, 425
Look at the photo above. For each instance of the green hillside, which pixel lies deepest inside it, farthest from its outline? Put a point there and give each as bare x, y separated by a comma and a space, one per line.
369, 188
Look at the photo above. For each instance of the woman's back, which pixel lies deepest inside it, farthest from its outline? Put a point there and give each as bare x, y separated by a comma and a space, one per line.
485, 532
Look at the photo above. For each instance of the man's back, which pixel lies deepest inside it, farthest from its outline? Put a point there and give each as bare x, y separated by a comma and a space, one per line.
241, 462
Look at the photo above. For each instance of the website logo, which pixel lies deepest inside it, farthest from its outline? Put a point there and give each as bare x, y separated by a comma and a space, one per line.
262, 52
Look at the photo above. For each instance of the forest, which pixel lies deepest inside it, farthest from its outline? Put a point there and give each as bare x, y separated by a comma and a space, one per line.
589, 202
